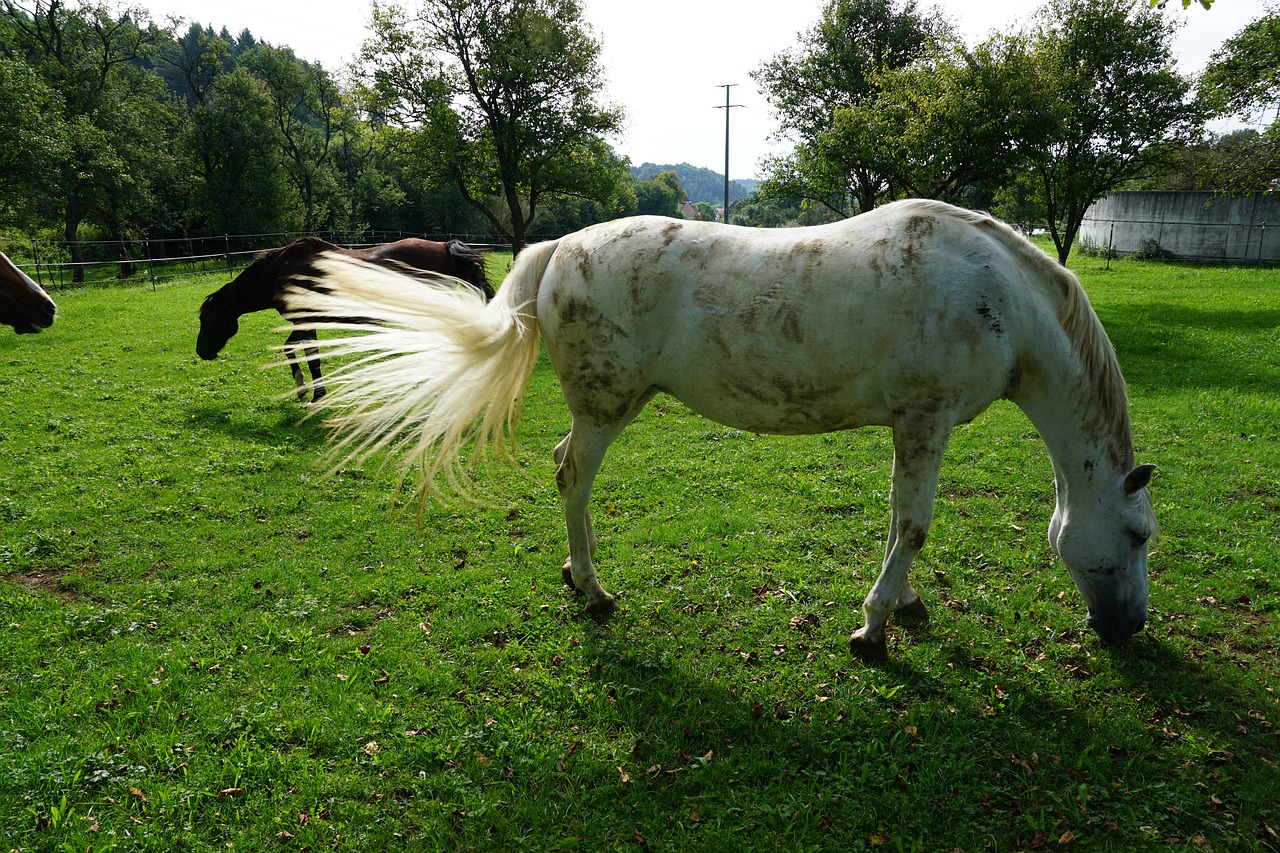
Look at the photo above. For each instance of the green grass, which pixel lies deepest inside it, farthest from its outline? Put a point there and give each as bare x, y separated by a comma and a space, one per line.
205, 642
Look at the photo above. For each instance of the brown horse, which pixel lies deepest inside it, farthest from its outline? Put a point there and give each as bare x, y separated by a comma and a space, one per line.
23, 304
261, 286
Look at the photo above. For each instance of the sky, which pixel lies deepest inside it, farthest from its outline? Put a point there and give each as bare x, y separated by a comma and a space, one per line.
666, 59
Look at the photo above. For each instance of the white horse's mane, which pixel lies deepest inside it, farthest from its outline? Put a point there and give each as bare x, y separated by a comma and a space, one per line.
1101, 389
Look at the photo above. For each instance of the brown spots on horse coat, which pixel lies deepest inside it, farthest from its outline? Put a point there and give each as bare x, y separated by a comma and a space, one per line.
670, 232
917, 230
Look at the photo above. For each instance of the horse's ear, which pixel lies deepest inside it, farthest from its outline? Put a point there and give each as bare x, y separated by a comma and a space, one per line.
1137, 479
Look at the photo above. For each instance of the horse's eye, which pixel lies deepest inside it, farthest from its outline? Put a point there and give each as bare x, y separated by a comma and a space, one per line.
1138, 539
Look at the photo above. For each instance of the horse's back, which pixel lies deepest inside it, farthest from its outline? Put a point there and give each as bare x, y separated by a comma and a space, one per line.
789, 330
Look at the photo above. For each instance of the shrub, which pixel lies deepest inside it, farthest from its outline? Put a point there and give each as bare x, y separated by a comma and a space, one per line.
1150, 250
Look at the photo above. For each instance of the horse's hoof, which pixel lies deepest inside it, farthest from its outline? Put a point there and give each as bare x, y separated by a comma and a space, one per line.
913, 612
604, 607
869, 651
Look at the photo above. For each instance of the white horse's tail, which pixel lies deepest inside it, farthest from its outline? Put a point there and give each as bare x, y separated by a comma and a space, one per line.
433, 366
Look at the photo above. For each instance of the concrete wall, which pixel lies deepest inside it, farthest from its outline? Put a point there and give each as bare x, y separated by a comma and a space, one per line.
1195, 226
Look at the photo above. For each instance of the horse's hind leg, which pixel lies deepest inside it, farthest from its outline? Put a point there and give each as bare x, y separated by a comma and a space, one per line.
917, 459
313, 363
578, 458
560, 453
292, 344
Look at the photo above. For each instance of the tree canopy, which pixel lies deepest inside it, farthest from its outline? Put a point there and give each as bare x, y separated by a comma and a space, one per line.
501, 98
1101, 76
884, 102
821, 91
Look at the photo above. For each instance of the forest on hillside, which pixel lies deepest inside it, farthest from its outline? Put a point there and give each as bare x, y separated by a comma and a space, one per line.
699, 184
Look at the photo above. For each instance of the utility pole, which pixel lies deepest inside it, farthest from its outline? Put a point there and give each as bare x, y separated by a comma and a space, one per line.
727, 106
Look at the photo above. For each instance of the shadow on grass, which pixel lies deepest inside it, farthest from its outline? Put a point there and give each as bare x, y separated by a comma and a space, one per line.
894, 749
286, 424
1196, 690
1156, 341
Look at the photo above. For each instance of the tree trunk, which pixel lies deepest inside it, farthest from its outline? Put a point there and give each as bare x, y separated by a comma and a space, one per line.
70, 232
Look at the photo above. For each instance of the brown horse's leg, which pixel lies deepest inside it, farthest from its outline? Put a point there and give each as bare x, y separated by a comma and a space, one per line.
313, 362
291, 347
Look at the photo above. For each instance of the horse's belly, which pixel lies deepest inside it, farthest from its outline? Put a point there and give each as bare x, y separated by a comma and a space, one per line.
779, 404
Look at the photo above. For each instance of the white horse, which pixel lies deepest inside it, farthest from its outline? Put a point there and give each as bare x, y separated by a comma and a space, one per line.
915, 316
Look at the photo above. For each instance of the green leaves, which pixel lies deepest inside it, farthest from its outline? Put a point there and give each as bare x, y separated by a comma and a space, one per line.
506, 97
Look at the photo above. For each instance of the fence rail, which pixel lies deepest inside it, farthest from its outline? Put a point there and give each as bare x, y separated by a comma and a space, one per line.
53, 264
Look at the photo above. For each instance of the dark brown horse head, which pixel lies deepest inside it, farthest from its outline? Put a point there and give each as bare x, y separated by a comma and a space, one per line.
23, 304
218, 323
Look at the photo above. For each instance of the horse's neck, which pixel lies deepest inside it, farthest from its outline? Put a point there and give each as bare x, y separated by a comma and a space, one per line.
251, 291
1083, 453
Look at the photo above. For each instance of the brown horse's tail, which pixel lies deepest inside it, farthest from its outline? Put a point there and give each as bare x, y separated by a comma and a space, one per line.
468, 265
432, 367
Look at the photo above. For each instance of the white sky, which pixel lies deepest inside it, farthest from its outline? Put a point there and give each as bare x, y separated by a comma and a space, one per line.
662, 58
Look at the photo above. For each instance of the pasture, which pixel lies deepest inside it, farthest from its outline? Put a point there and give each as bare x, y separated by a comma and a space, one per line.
206, 642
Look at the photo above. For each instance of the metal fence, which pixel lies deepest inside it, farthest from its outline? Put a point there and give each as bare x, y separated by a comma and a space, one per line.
53, 265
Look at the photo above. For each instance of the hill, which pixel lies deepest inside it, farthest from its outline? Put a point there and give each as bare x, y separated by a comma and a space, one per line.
700, 184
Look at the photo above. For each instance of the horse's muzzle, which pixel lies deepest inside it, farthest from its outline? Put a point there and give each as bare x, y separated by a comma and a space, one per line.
35, 318
1115, 625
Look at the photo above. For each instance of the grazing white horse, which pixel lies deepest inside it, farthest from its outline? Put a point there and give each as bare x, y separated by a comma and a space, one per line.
915, 316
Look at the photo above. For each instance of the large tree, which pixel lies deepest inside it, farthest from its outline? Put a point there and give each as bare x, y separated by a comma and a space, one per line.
32, 138
503, 98
310, 119
1243, 75
1101, 74
1242, 79
821, 90
236, 152
91, 56
943, 126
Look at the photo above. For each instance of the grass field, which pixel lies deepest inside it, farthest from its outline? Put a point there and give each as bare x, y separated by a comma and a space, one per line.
207, 644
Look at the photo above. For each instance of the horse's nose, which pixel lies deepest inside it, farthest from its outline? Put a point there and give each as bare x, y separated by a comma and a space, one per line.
1116, 626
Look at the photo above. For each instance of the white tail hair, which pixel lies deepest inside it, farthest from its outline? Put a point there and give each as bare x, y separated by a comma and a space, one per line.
433, 367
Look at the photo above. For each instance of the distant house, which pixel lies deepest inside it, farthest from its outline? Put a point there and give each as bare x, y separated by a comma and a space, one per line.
688, 210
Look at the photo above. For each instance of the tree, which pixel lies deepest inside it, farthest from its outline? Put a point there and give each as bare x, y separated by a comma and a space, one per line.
236, 151
92, 58
830, 78
661, 195
1241, 162
309, 116
32, 137
503, 97
943, 125
1243, 75
1100, 72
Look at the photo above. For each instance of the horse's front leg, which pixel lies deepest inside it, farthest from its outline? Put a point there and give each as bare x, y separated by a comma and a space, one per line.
578, 460
917, 459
